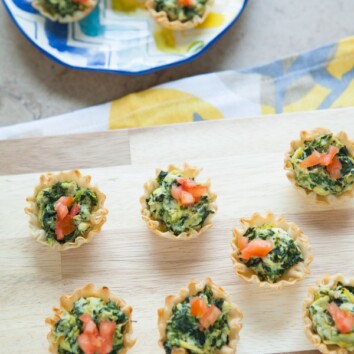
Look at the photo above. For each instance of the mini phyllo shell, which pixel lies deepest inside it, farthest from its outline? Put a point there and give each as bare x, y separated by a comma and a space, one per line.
65, 210
177, 207
270, 251
91, 320
328, 313
201, 319
321, 165
64, 11
179, 15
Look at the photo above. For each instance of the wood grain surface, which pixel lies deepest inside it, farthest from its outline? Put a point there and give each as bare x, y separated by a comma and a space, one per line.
244, 160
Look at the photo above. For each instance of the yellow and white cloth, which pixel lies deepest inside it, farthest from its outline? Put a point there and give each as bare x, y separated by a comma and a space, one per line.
320, 79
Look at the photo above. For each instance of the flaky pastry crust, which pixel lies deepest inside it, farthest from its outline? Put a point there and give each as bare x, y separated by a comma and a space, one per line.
157, 226
89, 290
290, 173
292, 275
330, 281
97, 219
162, 19
193, 287
78, 15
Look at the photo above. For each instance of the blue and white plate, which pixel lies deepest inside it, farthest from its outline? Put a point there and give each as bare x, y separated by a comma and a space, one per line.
119, 36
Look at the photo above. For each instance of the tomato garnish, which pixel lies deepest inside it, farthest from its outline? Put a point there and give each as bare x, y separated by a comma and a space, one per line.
75, 209
186, 2
107, 329
85, 343
256, 248
344, 321
188, 192
64, 227
89, 325
242, 242
334, 168
186, 198
323, 159
198, 306
94, 340
61, 206
210, 317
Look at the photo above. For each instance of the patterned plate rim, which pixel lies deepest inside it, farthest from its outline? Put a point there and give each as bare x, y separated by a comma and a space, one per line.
123, 72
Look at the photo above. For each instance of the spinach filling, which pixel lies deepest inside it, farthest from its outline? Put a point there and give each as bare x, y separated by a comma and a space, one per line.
174, 216
316, 178
183, 331
322, 321
62, 7
176, 12
69, 327
285, 253
47, 215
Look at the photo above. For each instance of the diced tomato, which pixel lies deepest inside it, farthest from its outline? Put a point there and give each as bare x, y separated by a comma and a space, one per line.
107, 329
67, 201
312, 160
89, 325
334, 168
197, 191
64, 227
62, 211
344, 321
187, 198
198, 306
242, 242
186, 2
323, 159
328, 157
85, 343
75, 209
176, 192
61, 206
256, 248
210, 317
186, 182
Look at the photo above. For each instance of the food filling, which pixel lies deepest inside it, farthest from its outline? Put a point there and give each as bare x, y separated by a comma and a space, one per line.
91, 327
199, 324
181, 10
63, 7
324, 165
269, 251
332, 315
65, 210
179, 203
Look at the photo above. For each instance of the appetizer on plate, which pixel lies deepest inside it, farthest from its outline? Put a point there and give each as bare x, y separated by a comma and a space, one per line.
64, 11
176, 206
91, 321
201, 319
179, 14
270, 251
321, 165
66, 210
329, 315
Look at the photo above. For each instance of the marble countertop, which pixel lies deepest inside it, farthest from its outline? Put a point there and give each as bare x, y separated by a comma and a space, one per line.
34, 87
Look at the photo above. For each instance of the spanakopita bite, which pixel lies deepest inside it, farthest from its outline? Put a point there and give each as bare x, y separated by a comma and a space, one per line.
175, 205
200, 319
65, 210
270, 251
91, 321
321, 165
179, 14
64, 11
328, 313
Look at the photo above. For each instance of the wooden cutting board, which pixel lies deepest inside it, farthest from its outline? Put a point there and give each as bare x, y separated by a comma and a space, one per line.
243, 158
